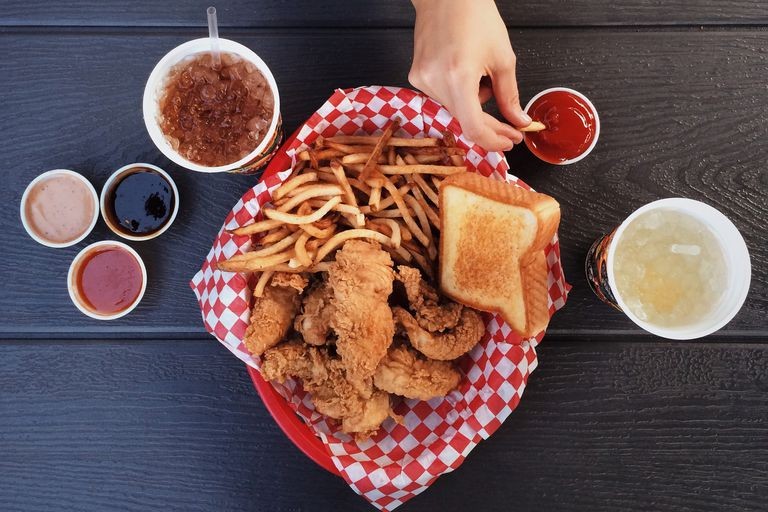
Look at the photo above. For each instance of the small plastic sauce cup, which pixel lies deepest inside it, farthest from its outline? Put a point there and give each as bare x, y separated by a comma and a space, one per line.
109, 280
35, 187
106, 202
573, 126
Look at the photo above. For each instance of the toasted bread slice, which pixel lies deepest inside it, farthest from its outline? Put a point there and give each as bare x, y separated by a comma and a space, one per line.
493, 236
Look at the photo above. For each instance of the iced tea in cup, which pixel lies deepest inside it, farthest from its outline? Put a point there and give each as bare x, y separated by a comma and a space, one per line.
213, 113
676, 267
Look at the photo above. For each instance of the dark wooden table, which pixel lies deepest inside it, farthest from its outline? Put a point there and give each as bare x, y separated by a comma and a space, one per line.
149, 412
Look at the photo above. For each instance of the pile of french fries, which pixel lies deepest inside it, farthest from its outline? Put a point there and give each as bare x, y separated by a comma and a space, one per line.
381, 188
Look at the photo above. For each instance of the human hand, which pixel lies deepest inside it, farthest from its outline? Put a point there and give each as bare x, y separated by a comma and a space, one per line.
457, 44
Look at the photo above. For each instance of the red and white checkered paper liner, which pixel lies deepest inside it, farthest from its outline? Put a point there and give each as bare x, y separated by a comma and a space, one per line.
402, 460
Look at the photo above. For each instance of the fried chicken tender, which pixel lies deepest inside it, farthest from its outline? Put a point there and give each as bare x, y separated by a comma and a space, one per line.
424, 301
314, 322
403, 372
361, 279
272, 313
324, 378
448, 345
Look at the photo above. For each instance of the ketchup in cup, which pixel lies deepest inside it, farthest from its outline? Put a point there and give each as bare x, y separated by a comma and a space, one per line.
107, 280
572, 126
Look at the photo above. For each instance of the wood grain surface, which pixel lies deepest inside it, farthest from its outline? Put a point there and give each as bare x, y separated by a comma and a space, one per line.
149, 412
381, 13
604, 426
682, 115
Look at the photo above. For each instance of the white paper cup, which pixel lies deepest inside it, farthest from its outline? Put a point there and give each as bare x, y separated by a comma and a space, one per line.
154, 89
737, 263
74, 292
106, 190
25, 221
589, 104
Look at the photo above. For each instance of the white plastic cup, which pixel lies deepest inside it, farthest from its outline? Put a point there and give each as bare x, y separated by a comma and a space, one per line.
601, 271
106, 190
72, 276
154, 89
589, 104
25, 222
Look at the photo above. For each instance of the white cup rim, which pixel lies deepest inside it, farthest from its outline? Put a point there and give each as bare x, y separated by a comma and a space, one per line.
740, 250
25, 196
73, 267
108, 185
591, 106
150, 103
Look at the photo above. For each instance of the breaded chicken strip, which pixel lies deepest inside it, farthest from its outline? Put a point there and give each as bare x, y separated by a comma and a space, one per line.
448, 345
361, 279
314, 322
273, 312
424, 302
403, 372
325, 379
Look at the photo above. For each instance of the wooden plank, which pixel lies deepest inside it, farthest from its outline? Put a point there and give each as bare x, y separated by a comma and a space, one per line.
307, 13
137, 425
679, 112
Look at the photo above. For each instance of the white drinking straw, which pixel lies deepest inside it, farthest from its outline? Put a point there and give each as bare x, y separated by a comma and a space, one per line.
213, 34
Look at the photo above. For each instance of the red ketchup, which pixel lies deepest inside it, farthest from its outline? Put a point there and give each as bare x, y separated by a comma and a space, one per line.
109, 280
571, 127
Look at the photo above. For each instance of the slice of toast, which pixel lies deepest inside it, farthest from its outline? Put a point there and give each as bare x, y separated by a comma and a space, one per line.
492, 241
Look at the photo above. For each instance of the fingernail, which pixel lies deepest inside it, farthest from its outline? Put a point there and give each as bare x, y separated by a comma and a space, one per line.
525, 117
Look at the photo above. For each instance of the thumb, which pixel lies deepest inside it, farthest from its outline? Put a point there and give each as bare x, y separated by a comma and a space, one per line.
507, 96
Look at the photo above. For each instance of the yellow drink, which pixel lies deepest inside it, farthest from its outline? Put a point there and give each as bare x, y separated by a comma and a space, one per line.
669, 268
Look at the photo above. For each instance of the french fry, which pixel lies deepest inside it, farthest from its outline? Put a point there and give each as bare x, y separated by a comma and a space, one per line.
423, 220
432, 215
246, 263
391, 156
264, 278
427, 159
290, 218
438, 170
316, 232
405, 233
257, 227
341, 177
410, 159
274, 236
301, 250
399, 160
347, 149
394, 141
386, 203
361, 158
431, 194
323, 266
325, 154
277, 246
390, 214
373, 158
391, 227
343, 236
374, 200
310, 192
293, 183
407, 217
